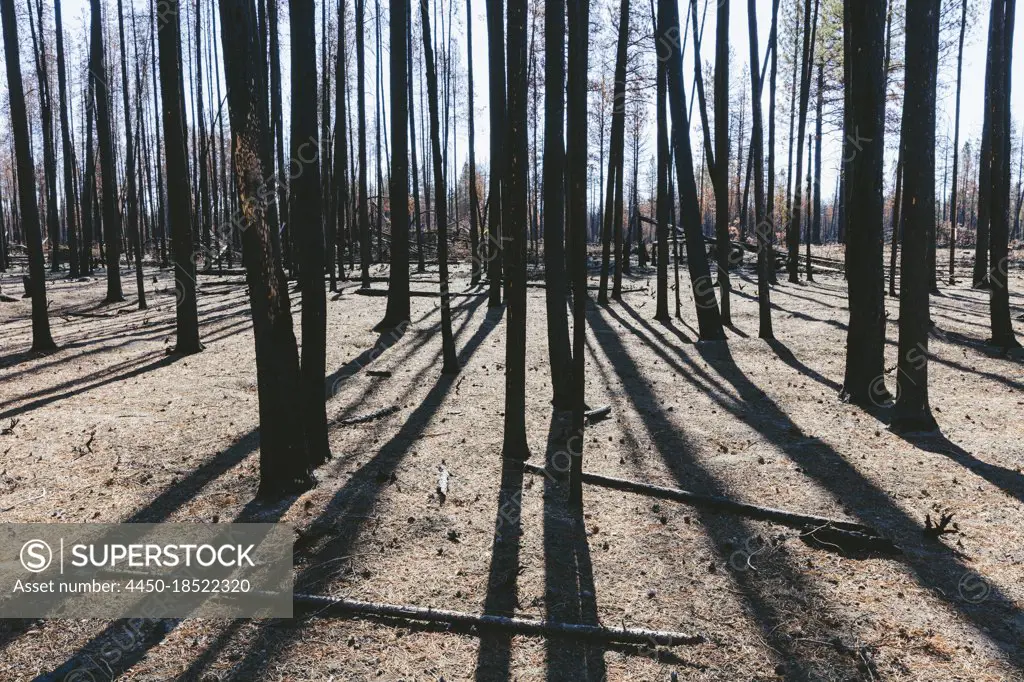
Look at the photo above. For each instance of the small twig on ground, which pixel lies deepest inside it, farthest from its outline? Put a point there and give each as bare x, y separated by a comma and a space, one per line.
8, 430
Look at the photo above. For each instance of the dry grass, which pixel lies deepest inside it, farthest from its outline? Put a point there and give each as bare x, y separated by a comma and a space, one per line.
109, 428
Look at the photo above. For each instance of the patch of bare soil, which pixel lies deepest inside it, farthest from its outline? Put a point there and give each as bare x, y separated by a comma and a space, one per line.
110, 428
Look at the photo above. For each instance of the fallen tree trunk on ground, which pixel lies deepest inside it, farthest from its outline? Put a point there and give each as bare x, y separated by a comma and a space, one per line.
311, 604
718, 503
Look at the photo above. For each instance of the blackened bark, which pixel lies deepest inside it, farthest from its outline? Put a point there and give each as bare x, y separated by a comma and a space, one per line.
474, 201
576, 210
285, 466
912, 411
495, 198
816, 215
397, 312
709, 321
307, 212
554, 204
1003, 12
863, 163
763, 223
793, 235
41, 338
450, 360
612, 228
67, 146
111, 213
179, 198
514, 445
131, 189
362, 209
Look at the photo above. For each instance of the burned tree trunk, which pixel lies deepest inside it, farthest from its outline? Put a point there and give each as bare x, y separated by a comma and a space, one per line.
912, 411
26, 173
285, 465
864, 118
450, 360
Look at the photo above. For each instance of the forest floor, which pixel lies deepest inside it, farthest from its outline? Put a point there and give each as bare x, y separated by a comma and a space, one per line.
110, 428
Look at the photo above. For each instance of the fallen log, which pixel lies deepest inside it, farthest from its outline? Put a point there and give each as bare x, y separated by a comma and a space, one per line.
722, 504
320, 605
598, 413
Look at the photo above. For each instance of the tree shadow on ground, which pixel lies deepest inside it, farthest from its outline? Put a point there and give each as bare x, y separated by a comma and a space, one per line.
494, 656
150, 632
932, 565
768, 605
569, 591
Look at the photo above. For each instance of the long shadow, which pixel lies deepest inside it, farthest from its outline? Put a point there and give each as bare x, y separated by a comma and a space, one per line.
786, 355
1006, 381
932, 565
117, 374
494, 656
339, 524
325, 538
1008, 480
152, 631
569, 591
767, 609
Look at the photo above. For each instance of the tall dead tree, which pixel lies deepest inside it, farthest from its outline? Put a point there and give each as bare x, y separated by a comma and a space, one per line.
307, 213
495, 193
576, 211
709, 321
340, 187
179, 198
131, 188
612, 227
285, 466
108, 171
450, 363
26, 174
49, 152
474, 200
912, 411
793, 233
1001, 43
397, 312
554, 204
763, 223
514, 205
956, 146
864, 119
362, 208
68, 148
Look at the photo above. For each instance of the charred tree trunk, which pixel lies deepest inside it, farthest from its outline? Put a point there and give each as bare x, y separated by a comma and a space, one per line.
576, 211
67, 146
864, 119
362, 209
514, 445
450, 360
306, 210
1003, 13
285, 466
111, 213
397, 313
612, 229
554, 204
41, 338
131, 188
495, 195
179, 198
474, 201
816, 216
912, 411
764, 259
709, 321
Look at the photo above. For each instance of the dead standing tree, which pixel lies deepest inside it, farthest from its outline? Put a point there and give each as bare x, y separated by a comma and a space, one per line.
284, 458
26, 174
